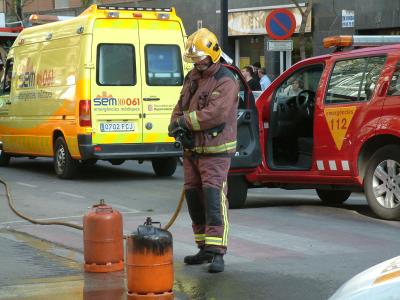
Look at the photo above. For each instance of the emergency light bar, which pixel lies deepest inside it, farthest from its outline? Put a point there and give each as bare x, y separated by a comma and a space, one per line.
108, 7
43, 19
360, 40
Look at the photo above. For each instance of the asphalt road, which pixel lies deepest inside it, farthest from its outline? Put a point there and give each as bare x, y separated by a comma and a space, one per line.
283, 244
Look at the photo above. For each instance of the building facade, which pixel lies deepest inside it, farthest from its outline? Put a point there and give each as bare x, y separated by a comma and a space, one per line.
246, 21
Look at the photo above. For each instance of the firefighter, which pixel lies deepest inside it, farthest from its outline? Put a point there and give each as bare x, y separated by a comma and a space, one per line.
207, 111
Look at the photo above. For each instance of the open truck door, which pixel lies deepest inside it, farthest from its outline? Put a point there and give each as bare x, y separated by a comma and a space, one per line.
248, 152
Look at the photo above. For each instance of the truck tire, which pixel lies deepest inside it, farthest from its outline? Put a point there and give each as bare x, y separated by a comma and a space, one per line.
64, 165
333, 197
4, 159
382, 182
237, 191
164, 167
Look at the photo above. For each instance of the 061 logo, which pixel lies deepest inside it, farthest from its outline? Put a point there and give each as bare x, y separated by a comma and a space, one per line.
108, 100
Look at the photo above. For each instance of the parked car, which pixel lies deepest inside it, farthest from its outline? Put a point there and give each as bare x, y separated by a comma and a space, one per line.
380, 282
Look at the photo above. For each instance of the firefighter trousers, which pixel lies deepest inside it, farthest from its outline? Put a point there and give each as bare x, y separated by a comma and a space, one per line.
205, 191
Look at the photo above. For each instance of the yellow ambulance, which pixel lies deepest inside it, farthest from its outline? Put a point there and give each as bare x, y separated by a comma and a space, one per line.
100, 86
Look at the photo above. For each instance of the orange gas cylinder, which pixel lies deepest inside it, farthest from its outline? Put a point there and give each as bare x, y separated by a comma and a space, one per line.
149, 263
103, 241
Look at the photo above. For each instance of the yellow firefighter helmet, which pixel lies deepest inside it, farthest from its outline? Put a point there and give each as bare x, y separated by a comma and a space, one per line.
201, 44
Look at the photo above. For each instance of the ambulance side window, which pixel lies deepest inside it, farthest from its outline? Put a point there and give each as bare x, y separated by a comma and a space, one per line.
354, 79
394, 88
116, 65
6, 85
163, 65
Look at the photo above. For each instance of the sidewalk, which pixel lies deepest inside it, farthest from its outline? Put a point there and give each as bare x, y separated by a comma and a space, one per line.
33, 269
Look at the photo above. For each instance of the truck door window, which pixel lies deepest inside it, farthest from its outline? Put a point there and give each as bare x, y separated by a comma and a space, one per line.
116, 64
163, 65
394, 88
6, 87
354, 79
304, 79
372, 72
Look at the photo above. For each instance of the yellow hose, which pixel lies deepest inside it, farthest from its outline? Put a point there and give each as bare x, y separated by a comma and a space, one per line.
21, 215
34, 221
177, 211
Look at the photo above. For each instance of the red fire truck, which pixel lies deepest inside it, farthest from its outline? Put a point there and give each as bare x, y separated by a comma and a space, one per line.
9, 33
7, 37
329, 123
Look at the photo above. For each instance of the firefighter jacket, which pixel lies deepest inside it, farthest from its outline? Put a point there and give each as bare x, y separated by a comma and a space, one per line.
208, 105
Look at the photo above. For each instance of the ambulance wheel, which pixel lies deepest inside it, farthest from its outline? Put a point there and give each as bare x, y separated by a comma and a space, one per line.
65, 166
164, 167
237, 191
333, 197
382, 182
4, 159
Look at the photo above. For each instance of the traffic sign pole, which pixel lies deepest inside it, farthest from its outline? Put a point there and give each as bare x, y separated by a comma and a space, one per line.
281, 67
288, 59
224, 27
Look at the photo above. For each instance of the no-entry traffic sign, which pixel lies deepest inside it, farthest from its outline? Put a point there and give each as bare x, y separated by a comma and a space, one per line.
280, 24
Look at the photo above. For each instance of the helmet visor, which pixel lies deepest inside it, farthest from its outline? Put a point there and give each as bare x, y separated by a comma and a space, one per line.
193, 59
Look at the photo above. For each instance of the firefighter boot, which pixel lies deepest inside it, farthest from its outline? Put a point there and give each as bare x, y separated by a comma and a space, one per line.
201, 257
217, 264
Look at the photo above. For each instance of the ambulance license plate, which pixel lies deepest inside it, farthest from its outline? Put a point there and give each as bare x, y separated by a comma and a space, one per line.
117, 126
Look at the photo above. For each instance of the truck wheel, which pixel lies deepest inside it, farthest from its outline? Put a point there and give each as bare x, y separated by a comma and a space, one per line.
64, 165
332, 197
382, 182
4, 159
237, 191
164, 167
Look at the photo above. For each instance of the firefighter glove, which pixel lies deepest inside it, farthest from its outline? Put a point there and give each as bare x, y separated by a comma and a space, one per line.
181, 123
177, 125
187, 140
172, 127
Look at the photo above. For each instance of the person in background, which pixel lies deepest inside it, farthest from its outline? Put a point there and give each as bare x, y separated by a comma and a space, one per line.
264, 79
249, 76
256, 66
295, 88
272, 76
